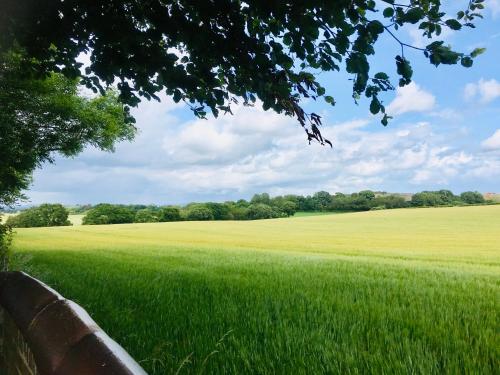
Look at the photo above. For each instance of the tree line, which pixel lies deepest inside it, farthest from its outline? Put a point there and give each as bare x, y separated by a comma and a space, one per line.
261, 206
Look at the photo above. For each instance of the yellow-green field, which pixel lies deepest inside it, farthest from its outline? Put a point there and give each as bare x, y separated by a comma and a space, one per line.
393, 291
4, 216
75, 219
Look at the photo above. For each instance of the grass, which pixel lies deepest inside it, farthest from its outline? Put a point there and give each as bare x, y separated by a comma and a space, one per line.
312, 213
75, 219
5, 215
400, 291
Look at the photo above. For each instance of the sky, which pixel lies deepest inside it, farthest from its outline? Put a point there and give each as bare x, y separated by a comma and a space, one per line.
445, 135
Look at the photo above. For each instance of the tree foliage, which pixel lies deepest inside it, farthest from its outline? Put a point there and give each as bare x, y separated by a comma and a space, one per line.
170, 214
5, 241
220, 211
260, 211
277, 207
45, 215
109, 214
146, 215
212, 54
40, 117
472, 197
199, 212
288, 207
435, 198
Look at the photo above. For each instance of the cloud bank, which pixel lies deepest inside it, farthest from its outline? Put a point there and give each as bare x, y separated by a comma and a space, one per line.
177, 159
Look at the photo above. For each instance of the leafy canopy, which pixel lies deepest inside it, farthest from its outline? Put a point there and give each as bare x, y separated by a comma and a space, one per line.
212, 54
45, 215
109, 214
46, 115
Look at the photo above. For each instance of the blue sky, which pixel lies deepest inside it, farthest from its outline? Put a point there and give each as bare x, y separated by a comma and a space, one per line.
445, 135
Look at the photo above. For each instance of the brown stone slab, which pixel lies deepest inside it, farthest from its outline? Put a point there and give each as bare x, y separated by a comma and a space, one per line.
62, 337
97, 354
24, 297
53, 332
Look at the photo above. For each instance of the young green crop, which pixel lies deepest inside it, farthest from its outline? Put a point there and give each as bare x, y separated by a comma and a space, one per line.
400, 291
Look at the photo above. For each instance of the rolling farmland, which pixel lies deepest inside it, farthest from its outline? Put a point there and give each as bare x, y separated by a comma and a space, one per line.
394, 291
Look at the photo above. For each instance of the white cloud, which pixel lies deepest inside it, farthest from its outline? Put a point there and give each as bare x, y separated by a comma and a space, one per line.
176, 159
493, 142
487, 169
484, 90
448, 114
228, 138
440, 165
493, 6
413, 157
411, 98
367, 167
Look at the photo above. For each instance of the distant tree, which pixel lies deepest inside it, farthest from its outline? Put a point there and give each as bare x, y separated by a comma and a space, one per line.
367, 194
292, 198
261, 211
105, 213
426, 198
137, 207
288, 208
45, 215
389, 201
146, 215
276, 201
242, 203
362, 201
220, 211
169, 214
446, 196
322, 200
239, 212
472, 197
340, 202
199, 212
79, 208
263, 198
305, 203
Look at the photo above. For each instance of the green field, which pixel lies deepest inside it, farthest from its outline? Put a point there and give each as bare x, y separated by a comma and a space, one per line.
75, 219
312, 213
394, 291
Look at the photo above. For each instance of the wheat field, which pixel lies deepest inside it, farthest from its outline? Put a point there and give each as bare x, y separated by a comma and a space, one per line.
392, 291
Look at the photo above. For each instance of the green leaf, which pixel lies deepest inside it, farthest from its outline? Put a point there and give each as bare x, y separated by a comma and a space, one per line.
330, 100
477, 52
414, 15
385, 119
466, 61
375, 106
357, 63
376, 27
381, 75
453, 24
177, 96
388, 12
404, 70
